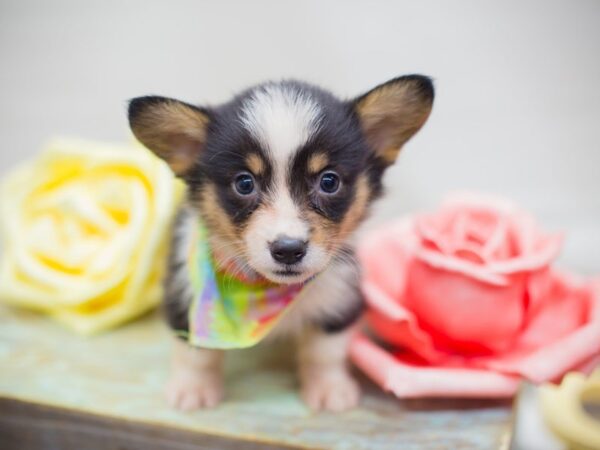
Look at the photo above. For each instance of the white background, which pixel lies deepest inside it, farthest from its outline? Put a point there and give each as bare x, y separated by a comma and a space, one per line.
518, 84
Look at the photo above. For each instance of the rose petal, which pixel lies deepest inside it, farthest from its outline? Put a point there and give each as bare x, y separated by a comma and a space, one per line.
464, 315
429, 231
544, 252
382, 302
469, 252
405, 332
525, 231
454, 230
558, 304
565, 353
409, 381
453, 264
497, 244
74, 221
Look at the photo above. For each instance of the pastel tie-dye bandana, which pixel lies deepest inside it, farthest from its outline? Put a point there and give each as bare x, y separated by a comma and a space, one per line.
228, 312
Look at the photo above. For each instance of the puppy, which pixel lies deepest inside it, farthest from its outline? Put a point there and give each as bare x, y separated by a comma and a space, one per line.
280, 177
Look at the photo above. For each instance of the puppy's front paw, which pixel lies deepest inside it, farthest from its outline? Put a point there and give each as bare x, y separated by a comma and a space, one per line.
193, 391
330, 391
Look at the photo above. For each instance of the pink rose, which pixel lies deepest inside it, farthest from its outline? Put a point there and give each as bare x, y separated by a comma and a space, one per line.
468, 294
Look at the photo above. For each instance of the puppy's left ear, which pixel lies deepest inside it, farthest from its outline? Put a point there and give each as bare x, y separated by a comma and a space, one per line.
175, 131
393, 112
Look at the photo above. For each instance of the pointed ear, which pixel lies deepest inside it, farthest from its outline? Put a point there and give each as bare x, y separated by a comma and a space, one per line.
173, 130
393, 112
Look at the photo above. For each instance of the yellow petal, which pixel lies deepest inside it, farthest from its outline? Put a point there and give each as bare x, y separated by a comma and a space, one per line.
85, 231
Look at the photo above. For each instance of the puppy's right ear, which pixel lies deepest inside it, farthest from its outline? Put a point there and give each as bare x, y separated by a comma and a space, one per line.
173, 130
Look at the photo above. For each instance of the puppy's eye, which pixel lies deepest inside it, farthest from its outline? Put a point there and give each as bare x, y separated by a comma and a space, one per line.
244, 184
329, 182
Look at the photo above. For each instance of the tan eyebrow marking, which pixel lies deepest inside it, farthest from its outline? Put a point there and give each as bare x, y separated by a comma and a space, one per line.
317, 162
255, 164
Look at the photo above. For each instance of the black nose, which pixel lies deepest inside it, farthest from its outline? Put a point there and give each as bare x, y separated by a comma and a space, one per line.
288, 250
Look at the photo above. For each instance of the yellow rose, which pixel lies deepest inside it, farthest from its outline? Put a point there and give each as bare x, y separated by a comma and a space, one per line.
85, 233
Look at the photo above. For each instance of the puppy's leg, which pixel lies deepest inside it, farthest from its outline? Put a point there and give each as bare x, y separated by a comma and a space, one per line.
324, 375
196, 377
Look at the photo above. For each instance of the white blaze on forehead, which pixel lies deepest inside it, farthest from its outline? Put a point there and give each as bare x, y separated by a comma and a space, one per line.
281, 119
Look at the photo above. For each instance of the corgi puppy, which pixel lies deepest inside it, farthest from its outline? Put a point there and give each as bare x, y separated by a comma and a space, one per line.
280, 177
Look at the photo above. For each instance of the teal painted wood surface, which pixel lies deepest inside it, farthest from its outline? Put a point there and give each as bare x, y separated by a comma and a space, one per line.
121, 375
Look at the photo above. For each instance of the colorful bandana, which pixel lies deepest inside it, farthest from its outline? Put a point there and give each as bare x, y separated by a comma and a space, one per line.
228, 312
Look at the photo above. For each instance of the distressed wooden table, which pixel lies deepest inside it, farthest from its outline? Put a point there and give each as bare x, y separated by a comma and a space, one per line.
60, 391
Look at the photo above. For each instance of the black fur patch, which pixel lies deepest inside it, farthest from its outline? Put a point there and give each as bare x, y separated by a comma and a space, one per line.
344, 319
339, 136
228, 146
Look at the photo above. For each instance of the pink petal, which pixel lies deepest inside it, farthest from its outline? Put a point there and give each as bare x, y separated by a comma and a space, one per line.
557, 306
382, 302
409, 381
453, 264
555, 358
497, 242
437, 230
525, 231
541, 255
463, 315
471, 253
404, 332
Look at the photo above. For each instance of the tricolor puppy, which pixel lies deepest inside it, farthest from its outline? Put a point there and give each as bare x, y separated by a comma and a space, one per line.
279, 179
